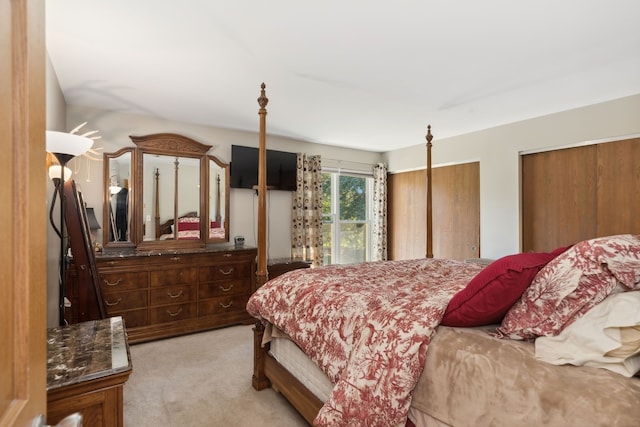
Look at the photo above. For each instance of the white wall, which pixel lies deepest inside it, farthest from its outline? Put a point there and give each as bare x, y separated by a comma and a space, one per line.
115, 128
56, 109
498, 150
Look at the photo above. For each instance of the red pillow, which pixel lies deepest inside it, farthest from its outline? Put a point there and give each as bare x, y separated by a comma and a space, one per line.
491, 293
188, 225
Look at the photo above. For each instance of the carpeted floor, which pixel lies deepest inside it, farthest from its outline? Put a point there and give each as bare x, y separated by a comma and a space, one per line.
202, 379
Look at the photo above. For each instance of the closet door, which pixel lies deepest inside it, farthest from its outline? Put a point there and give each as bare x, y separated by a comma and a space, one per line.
618, 187
407, 213
558, 198
456, 213
580, 193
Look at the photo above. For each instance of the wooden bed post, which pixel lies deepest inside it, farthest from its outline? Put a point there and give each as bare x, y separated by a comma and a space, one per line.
259, 381
262, 191
429, 211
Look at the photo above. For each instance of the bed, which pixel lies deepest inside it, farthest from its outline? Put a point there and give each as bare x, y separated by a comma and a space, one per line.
530, 339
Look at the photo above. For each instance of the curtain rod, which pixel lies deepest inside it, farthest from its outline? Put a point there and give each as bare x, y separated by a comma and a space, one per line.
349, 161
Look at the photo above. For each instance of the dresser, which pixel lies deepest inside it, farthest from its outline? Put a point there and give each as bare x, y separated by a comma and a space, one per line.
161, 294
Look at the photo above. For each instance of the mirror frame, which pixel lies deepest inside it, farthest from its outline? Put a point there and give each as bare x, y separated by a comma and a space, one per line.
106, 243
167, 144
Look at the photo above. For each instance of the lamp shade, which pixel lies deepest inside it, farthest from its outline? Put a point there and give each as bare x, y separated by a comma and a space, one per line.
93, 221
67, 143
54, 172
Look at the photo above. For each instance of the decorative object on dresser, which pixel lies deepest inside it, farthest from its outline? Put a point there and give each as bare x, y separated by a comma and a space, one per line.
87, 366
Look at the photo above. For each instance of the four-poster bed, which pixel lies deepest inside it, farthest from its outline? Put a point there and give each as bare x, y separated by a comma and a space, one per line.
339, 364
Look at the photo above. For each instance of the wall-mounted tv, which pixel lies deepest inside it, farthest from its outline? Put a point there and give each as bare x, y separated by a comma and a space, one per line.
281, 168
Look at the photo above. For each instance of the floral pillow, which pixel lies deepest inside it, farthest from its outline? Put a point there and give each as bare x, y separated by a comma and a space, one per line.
571, 284
492, 292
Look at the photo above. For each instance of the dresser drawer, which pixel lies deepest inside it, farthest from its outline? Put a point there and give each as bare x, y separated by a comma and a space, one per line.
222, 305
224, 272
133, 318
174, 276
122, 281
172, 294
125, 301
223, 287
173, 312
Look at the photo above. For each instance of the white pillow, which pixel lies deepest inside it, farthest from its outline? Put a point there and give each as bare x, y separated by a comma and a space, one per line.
607, 336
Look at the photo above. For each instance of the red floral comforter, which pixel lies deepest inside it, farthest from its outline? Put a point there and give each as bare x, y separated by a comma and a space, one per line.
367, 326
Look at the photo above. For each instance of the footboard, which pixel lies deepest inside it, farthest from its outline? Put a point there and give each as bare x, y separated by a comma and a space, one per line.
267, 372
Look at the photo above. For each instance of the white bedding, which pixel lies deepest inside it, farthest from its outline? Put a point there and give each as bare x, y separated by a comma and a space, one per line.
289, 355
607, 336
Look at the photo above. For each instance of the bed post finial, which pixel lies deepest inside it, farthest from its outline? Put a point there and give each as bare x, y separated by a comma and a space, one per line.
262, 274
429, 230
262, 99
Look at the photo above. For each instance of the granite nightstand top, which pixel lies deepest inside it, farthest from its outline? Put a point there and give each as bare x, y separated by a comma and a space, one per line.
85, 351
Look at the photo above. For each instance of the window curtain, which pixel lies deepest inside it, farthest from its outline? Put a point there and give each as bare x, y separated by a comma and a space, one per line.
306, 216
379, 222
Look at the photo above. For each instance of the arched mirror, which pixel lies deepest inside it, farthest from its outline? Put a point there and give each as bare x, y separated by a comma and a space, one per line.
178, 196
118, 195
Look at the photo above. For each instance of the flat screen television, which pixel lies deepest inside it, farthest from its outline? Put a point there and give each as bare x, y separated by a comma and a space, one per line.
281, 169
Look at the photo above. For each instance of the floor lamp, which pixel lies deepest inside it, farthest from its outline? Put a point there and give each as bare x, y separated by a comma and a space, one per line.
64, 146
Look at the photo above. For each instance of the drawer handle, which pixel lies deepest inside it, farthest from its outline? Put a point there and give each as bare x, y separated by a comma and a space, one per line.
170, 295
111, 304
227, 255
226, 273
223, 289
175, 258
117, 282
176, 313
226, 305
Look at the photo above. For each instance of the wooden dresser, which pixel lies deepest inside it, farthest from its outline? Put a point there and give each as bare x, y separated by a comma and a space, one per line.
169, 293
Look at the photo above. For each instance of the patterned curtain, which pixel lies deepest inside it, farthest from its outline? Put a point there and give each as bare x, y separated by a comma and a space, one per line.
379, 244
306, 224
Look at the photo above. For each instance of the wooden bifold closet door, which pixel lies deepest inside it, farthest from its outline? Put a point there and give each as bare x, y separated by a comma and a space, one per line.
456, 213
579, 193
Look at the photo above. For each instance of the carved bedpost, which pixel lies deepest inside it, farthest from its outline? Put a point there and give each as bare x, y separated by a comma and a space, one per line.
429, 230
262, 192
259, 380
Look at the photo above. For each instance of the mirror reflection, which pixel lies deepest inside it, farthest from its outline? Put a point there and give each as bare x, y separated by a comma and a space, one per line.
171, 195
218, 200
118, 212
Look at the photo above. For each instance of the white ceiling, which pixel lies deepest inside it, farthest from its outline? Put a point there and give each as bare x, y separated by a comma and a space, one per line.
367, 74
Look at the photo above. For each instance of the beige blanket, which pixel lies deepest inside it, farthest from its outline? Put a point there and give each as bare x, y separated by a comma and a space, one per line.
471, 378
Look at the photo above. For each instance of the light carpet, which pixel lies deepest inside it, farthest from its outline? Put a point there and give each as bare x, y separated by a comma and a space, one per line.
202, 379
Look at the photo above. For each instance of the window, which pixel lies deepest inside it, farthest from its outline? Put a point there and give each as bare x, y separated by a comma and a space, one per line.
346, 213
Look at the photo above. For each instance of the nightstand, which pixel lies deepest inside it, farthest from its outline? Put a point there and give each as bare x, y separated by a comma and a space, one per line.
278, 266
87, 366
